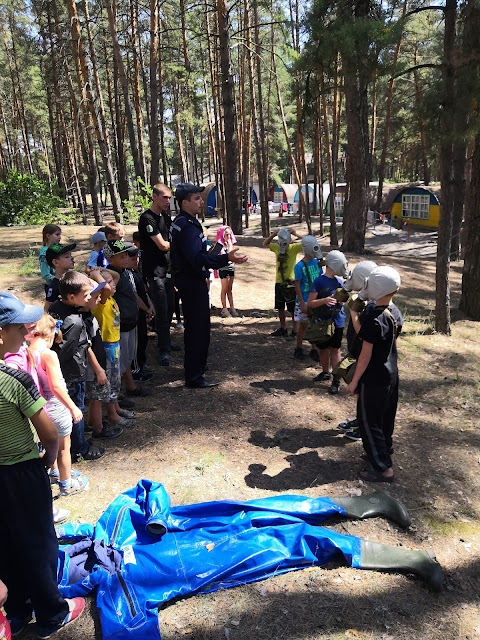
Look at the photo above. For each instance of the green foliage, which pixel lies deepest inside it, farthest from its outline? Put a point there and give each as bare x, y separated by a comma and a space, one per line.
25, 199
29, 266
142, 201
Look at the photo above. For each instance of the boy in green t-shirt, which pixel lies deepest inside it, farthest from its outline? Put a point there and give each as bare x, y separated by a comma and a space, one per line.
28, 562
286, 254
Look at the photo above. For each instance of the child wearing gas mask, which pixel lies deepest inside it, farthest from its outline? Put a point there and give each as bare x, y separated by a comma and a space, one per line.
286, 253
322, 300
375, 380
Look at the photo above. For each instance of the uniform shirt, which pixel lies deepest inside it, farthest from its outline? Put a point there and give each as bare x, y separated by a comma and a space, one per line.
380, 329
150, 224
354, 343
53, 290
188, 249
306, 281
324, 287
292, 252
72, 350
19, 401
108, 317
126, 300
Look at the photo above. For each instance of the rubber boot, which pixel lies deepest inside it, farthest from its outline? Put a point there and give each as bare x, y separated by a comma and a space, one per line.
375, 505
381, 557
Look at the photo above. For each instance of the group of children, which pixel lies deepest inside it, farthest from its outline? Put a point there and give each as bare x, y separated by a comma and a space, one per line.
314, 296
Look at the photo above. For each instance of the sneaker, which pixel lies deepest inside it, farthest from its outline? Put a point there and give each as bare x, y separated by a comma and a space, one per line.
234, 313
55, 477
347, 425
18, 624
322, 377
124, 413
143, 377
76, 485
279, 333
76, 607
353, 434
163, 360
314, 355
93, 453
60, 515
179, 325
298, 353
139, 392
225, 313
293, 334
335, 388
123, 422
125, 403
110, 431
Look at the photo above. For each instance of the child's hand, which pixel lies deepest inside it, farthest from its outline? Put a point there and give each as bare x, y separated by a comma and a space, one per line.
77, 415
330, 301
303, 307
352, 388
101, 377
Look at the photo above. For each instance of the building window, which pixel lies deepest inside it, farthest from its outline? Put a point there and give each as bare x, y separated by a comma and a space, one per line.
339, 204
415, 206
278, 196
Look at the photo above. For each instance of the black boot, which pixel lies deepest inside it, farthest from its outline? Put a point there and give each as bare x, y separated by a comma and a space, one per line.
375, 505
381, 557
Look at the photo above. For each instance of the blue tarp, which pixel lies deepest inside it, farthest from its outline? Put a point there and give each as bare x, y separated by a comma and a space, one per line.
169, 552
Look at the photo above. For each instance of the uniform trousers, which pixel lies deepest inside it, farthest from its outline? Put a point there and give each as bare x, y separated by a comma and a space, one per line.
376, 411
160, 289
196, 317
28, 544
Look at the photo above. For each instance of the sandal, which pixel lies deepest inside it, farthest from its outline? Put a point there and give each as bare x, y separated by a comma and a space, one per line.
93, 453
372, 475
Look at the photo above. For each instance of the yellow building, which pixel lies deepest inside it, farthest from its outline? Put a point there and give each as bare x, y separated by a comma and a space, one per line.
416, 205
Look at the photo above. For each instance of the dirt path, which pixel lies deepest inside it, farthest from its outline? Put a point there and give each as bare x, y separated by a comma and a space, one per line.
269, 429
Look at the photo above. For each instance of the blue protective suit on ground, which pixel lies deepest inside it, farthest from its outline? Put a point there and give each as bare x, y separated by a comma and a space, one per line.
199, 548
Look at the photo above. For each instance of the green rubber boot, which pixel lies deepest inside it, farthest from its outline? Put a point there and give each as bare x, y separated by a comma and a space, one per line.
381, 557
375, 505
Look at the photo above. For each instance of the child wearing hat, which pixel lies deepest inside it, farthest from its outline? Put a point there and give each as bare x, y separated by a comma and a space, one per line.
376, 375
286, 254
59, 257
28, 562
97, 256
322, 300
306, 271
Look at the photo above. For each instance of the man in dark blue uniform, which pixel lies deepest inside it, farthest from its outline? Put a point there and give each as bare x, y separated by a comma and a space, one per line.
190, 264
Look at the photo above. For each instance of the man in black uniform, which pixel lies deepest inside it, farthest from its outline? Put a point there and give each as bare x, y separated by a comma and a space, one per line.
190, 265
153, 227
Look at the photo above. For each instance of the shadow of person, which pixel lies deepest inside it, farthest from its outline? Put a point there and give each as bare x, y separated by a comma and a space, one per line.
288, 385
292, 440
306, 470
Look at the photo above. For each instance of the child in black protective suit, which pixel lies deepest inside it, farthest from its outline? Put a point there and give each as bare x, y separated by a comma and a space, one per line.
375, 380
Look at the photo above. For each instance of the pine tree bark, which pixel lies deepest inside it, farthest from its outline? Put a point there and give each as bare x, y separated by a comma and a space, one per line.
154, 128
470, 300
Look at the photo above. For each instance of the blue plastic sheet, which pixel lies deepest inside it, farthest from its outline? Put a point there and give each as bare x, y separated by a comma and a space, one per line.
170, 552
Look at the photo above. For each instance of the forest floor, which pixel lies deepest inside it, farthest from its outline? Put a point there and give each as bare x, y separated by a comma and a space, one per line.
269, 429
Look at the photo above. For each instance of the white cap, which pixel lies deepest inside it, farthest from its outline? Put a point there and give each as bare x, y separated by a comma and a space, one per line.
356, 279
284, 238
380, 282
311, 246
337, 261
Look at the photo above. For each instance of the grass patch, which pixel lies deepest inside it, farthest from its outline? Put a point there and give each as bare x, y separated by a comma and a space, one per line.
29, 266
453, 527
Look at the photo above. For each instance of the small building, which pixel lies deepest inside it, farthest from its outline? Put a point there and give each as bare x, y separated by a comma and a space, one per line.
416, 204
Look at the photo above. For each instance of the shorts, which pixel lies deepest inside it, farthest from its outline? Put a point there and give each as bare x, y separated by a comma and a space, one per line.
280, 302
298, 314
60, 416
335, 341
97, 391
227, 272
112, 352
128, 348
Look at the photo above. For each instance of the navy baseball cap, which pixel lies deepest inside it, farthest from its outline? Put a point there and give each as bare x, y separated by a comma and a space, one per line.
56, 250
184, 189
14, 311
132, 249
